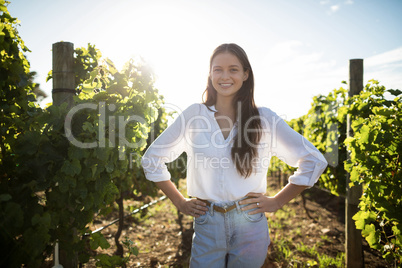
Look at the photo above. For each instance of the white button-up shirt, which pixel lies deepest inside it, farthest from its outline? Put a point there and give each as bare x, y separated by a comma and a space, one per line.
211, 172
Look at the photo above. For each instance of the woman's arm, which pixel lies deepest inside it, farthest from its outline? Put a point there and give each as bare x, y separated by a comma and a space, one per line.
272, 204
192, 207
295, 150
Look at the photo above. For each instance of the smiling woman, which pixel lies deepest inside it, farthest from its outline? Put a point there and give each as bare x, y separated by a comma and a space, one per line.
228, 201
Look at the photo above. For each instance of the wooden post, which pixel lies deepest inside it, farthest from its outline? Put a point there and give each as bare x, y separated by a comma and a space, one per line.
64, 91
353, 243
63, 73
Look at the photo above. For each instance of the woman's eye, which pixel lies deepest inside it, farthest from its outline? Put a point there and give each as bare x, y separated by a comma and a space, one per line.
217, 70
233, 70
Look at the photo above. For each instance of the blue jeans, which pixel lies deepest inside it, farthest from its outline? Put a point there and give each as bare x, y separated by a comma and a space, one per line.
231, 239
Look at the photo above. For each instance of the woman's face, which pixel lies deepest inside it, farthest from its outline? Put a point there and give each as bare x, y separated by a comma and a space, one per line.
227, 74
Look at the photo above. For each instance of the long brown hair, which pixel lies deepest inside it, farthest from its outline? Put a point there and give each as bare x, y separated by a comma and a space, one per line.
244, 148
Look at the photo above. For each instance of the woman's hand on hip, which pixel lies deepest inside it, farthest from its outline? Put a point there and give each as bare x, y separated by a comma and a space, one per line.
261, 202
192, 207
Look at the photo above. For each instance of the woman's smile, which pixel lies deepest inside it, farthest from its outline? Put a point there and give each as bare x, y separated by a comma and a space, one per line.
225, 85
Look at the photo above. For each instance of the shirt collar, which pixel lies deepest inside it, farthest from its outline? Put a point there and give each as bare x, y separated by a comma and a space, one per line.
211, 111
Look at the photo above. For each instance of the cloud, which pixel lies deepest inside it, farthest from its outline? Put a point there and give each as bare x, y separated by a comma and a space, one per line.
386, 68
335, 8
392, 56
292, 73
296, 57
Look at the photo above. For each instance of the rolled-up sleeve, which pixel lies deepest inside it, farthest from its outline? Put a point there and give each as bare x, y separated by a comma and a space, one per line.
169, 145
296, 151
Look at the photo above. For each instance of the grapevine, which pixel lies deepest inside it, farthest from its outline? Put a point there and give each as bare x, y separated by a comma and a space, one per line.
375, 162
50, 188
375, 157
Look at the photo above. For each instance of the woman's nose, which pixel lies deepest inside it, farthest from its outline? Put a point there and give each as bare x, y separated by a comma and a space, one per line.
225, 75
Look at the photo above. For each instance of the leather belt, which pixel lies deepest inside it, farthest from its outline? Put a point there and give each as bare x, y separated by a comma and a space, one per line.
221, 209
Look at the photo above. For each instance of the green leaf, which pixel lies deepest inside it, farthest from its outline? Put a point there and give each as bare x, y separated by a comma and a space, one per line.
98, 240
364, 134
383, 111
355, 175
396, 231
76, 166
43, 219
93, 169
103, 243
359, 219
49, 75
88, 127
112, 68
102, 154
93, 242
89, 202
82, 191
28, 143
372, 235
77, 153
13, 217
3, 8
395, 92
66, 183
5, 197
67, 169
134, 251
109, 167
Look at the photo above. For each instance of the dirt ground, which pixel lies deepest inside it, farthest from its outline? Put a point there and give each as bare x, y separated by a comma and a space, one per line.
164, 239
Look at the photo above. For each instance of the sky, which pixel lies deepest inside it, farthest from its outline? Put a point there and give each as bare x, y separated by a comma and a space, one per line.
297, 49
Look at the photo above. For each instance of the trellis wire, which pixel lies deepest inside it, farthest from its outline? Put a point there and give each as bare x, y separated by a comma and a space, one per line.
131, 213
